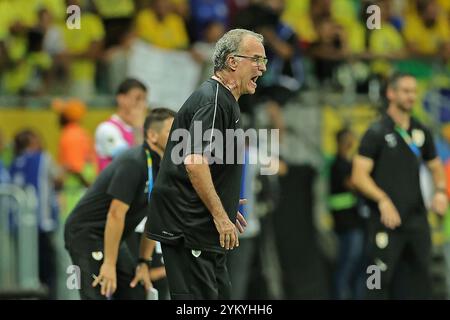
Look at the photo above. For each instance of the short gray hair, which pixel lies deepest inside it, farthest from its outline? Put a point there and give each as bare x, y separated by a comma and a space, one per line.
230, 43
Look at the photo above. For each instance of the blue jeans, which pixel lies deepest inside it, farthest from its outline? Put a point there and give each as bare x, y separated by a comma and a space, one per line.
349, 277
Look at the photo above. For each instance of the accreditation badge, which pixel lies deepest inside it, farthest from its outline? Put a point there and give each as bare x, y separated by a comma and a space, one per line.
382, 240
97, 255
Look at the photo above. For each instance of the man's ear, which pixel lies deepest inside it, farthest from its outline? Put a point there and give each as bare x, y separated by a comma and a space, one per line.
232, 63
152, 136
390, 93
120, 98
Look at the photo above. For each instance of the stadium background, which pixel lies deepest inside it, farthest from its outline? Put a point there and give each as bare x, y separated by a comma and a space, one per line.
296, 244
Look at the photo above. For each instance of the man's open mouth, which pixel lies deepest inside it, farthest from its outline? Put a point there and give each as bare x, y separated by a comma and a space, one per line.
254, 79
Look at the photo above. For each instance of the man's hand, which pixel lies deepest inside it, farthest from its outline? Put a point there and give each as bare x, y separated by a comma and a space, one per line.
107, 279
440, 203
227, 231
142, 275
389, 214
241, 223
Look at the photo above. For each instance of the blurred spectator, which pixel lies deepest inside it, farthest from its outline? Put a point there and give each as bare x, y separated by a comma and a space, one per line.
117, 133
34, 168
330, 49
117, 16
160, 26
203, 49
348, 224
83, 49
181, 7
203, 12
53, 42
386, 43
427, 30
53, 46
76, 152
285, 73
26, 64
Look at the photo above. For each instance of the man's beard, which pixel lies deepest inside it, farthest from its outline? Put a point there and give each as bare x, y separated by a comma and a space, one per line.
403, 108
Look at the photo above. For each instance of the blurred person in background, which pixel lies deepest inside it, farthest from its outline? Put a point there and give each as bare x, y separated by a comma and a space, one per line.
26, 64
117, 17
386, 44
202, 12
161, 26
329, 50
427, 31
53, 45
83, 48
386, 171
348, 224
118, 132
34, 168
284, 77
108, 214
76, 154
203, 49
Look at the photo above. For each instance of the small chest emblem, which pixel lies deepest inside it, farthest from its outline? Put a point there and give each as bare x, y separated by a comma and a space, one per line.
418, 137
391, 140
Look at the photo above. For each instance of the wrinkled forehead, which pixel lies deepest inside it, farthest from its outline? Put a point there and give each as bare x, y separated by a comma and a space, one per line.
251, 46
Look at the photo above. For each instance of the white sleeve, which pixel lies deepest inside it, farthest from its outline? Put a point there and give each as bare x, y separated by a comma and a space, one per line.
109, 140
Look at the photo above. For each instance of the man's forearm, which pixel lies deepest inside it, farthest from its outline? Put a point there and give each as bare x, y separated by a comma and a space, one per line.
113, 233
200, 177
439, 177
147, 247
367, 186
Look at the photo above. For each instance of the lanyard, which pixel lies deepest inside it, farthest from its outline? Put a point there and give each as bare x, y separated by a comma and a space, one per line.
409, 141
150, 174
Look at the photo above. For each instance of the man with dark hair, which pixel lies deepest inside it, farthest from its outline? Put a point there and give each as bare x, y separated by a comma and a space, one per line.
110, 211
387, 172
118, 132
193, 211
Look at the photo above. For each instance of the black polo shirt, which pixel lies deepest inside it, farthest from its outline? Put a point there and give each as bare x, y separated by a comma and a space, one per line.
176, 212
396, 167
124, 179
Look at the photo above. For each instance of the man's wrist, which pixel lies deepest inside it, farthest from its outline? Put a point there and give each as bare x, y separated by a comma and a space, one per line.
382, 198
147, 262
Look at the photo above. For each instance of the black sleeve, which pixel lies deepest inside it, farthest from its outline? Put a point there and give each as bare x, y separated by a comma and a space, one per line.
429, 148
125, 182
371, 144
208, 125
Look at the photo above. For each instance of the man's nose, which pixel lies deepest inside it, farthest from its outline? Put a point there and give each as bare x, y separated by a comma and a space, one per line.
262, 67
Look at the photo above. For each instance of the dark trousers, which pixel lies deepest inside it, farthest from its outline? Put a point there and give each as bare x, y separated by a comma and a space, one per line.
47, 263
406, 259
125, 271
349, 278
204, 277
239, 263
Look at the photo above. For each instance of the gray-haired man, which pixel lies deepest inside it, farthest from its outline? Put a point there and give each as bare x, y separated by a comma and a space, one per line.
193, 209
